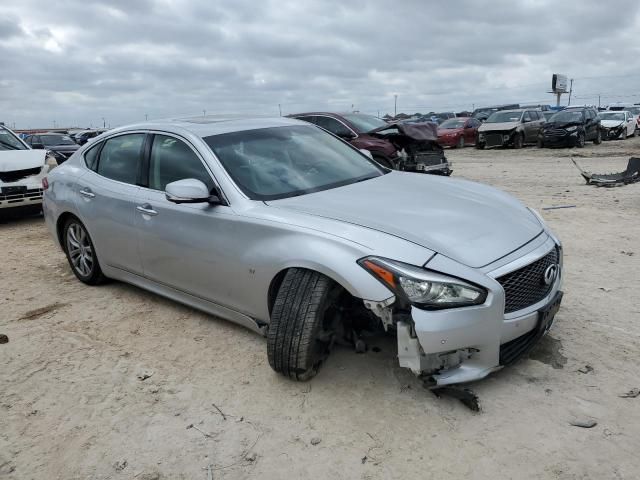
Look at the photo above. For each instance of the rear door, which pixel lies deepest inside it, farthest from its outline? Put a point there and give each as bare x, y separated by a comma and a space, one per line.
530, 129
107, 199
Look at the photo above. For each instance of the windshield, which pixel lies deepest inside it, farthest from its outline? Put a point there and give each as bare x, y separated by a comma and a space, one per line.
567, 116
53, 140
280, 162
364, 123
612, 116
504, 117
8, 141
453, 123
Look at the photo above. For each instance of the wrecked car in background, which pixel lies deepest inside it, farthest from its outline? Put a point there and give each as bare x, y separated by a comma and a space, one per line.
59, 145
572, 127
417, 147
285, 229
21, 172
458, 132
513, 128
409, 147
617, 125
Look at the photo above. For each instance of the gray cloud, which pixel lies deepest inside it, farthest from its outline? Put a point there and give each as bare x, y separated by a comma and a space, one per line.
122, 59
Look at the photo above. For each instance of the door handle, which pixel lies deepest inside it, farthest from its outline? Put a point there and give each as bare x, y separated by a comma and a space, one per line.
146, 209
86, 192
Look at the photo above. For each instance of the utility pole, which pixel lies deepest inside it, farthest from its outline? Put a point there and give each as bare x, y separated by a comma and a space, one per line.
598, 101
280, 109
104, 123
204, 113
395, 105
570, 90
146, 117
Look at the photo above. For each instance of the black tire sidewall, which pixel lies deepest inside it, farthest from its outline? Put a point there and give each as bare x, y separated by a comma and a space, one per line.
95, 276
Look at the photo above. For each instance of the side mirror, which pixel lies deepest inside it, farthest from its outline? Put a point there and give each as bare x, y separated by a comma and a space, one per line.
191, 190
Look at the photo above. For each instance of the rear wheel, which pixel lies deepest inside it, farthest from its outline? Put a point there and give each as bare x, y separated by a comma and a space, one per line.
518, 141
479, 145
81, 253
580, 140
302, 328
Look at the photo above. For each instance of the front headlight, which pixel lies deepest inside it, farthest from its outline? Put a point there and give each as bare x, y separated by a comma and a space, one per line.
571, 129
423, 288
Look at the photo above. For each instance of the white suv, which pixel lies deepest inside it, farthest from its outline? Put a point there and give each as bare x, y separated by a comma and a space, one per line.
21, 173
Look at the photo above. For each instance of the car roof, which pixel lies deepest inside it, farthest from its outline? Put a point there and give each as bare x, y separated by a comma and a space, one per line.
206, 126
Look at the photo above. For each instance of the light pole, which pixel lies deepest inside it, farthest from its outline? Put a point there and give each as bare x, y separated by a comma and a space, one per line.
395, 105
280, 109
146, 117
204, 113
104, 123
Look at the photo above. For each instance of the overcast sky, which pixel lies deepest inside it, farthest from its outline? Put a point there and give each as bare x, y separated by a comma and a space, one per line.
76, 62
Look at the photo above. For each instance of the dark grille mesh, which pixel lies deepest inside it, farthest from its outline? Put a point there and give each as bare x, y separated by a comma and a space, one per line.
15, 175
526, 286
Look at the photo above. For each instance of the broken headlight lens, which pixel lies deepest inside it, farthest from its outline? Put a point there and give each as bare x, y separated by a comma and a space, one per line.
571, 129
423, 288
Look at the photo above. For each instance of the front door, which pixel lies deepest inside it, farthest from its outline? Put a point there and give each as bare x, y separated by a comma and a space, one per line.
107, 196
189, 247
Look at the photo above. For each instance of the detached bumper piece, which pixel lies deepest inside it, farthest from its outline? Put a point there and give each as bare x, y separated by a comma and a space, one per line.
630, 175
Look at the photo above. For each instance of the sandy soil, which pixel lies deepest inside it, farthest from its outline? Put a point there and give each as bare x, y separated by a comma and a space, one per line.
73, 405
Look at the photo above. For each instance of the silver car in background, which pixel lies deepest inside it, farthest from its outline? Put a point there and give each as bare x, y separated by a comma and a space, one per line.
286, 229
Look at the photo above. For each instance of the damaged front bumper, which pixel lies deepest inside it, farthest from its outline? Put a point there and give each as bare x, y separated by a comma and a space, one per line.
459, 345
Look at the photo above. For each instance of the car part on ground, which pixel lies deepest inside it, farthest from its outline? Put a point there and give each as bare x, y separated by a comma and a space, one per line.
307, 246
630, 175
417, 147
513, 128
572, 127
21, 174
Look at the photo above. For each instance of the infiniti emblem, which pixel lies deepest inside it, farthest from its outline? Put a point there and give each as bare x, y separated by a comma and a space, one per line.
550, 274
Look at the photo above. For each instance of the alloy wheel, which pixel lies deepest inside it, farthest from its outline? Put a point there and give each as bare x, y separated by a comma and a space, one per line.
80, 249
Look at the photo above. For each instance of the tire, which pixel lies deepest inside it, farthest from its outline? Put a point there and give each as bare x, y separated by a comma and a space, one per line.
460, 143
479, 146
540, 143
623, 135
635, 132
301, 331
384, 161
598, 139
81, 254
518, 141
580, 140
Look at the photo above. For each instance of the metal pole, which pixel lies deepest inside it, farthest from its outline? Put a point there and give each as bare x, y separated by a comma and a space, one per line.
146, 117
570, 90
395, 105
280, 109
204, 113
598, 102
558, 99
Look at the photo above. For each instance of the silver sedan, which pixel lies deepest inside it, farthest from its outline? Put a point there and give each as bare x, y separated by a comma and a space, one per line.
281, 227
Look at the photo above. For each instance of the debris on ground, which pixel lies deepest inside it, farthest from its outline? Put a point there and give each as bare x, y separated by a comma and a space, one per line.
120, 465
39, 312
3, 339
315, 440
207, 435
251, 457
143, 375
558, 207
630, 175
587, 423
586, 369
628, 254
363, 459
468, 398
633, 393
224, 417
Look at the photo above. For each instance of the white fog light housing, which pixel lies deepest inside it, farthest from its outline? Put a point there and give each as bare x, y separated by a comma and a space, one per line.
423, 288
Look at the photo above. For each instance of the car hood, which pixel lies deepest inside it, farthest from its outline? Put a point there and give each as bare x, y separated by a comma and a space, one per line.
550, 125
611, 123
12, 160
471, 223
487, 127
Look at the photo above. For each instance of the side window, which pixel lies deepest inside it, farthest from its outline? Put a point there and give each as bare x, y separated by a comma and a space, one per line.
91, 157
526, 117
309, 119
172, 160
334, 126
120, 158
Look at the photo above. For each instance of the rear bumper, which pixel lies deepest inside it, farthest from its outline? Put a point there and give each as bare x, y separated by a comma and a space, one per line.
467, 344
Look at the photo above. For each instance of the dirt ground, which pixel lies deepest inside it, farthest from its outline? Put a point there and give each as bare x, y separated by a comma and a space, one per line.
75, 403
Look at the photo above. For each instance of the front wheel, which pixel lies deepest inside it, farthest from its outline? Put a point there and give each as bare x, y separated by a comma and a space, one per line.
580, 140
302, 330
598, 139
518, 141
81, 253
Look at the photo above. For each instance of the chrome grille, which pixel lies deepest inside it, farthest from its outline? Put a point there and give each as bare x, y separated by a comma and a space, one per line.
526, 286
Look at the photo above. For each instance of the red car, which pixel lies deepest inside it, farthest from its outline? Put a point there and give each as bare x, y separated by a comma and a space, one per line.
458, 132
